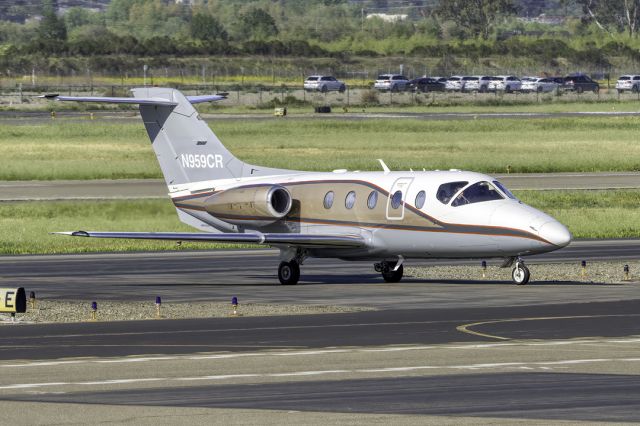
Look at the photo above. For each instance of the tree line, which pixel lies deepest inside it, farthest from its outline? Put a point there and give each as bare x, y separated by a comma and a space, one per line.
590, 33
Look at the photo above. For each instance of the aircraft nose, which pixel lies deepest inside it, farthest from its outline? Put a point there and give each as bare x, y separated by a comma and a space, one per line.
556, 233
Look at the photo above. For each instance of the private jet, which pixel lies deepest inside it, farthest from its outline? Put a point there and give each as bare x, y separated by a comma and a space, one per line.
386, 217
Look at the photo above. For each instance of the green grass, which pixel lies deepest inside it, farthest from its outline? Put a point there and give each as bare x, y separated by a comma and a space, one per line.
591, 214
26, 225
64, 149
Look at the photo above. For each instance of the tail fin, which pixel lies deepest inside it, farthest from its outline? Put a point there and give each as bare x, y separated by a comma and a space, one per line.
187, 149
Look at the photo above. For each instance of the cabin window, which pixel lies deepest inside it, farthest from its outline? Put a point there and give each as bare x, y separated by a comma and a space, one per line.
350, 200
504, 189
446, 191
396, 199
328, 200
372, 200
477, 193
420, 199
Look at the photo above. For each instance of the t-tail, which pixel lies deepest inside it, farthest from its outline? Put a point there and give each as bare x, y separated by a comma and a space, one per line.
190, 155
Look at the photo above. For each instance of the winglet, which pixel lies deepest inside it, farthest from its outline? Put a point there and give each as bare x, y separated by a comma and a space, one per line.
384, 166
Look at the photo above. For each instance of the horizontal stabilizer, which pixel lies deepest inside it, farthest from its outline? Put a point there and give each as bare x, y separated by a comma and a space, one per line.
298, 240
136, 101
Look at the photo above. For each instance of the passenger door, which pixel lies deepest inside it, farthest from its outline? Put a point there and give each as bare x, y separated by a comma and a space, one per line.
397, 197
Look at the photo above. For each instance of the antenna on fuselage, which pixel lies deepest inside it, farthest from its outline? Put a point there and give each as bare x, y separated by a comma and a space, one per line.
384, 166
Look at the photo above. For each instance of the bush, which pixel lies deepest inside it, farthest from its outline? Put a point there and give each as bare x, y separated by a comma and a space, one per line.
369, 97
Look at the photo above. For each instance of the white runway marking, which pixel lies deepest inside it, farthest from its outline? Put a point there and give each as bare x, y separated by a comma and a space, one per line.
313, 352
407, 369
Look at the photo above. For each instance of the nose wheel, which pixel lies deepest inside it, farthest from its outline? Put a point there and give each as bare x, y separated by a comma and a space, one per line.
289, 273
520, 273
390, 273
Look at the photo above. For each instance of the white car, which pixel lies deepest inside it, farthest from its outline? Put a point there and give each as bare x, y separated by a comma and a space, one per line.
506, 83
393, 82
538, 84
453, 84
476, 83
324, 83
628, 82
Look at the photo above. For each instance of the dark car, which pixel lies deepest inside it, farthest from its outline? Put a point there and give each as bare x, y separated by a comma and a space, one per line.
580, 83
426, 84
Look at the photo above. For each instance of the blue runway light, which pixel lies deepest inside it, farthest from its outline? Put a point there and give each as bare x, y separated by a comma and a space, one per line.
584, 263
158, 300
234, 300
484, 264
94, 306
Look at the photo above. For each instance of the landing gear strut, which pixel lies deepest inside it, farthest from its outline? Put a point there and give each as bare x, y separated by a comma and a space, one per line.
390, 273
520, 273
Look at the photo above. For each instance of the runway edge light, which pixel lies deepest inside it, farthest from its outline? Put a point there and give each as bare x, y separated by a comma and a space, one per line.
583, 271
94, 310
626, 272
13, 300
484, 269
158, 304
32, 299
234, 306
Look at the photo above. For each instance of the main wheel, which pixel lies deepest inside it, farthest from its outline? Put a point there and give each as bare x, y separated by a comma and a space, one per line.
342, 88
324, 89
289, 273
520, 275
579, 89
392, 276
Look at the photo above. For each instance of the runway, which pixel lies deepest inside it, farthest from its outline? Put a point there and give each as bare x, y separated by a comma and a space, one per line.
351, 366
156, 188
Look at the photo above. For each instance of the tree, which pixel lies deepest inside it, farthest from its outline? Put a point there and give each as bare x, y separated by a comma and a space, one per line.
52, 28
207, 28
258, 23
614, 15
477, 17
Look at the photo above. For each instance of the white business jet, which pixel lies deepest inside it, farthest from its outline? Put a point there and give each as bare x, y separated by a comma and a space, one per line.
386, 216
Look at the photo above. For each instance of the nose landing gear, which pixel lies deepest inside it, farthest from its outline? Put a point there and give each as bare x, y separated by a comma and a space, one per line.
520, 273
390, 272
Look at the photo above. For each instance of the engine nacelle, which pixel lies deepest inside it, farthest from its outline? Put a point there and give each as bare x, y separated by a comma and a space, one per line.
260, 205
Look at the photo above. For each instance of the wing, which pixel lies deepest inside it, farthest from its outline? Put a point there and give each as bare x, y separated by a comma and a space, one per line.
299, 240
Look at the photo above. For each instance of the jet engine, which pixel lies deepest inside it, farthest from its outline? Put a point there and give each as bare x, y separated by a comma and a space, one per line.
260, 205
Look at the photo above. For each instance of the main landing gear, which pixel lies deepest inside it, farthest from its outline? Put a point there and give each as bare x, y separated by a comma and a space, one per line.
520, 273
391, 273
289, 269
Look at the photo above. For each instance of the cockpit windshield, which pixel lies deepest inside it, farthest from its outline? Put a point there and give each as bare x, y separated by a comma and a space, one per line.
447, 190
477, 193
504, 189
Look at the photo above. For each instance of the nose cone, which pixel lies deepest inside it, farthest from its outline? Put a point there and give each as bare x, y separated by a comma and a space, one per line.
556, 233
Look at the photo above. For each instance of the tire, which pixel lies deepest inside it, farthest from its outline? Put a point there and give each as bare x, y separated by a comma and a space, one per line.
579, 89
520, 275
634, 89
482, 89
394, 88
342, 89
507, 89
622, 91
324, 89
392, 276
596, 89
539, 89
289, 273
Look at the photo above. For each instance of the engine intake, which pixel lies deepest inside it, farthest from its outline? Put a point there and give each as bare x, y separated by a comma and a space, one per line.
260, 205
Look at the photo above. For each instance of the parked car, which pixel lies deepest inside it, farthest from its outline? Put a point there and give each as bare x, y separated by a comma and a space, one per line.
393, 82
538, 84
628, 82
453, 84
324, 83
477, 83
580, 83
426, 84
505, 83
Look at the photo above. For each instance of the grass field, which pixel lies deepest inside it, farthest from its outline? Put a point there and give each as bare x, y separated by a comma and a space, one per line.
65, 149
26, 226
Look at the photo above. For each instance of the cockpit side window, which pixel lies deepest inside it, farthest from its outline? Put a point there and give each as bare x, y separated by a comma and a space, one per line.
477, 193
447, 190
504, 189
